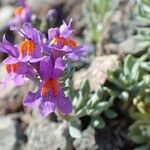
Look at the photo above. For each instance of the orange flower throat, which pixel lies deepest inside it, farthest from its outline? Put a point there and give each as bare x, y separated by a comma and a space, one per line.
11, 67
65, 41
26, 47
50, 83
19, 10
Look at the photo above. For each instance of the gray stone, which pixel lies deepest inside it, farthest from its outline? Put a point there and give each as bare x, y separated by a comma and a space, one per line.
122, 25
120, 32
36, 3
5, 13
6, 90
128, 46
72, 7
69, 7
42, 134
7, 133
64, 139
87, 140
8, 2
41, 7
97, 72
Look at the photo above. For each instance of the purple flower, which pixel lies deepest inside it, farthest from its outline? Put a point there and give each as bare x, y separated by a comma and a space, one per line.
16, 72
22, 14
59, 40
9, 48
52, 13
49, 95
29, 49
58, 35
77, 52
62, 45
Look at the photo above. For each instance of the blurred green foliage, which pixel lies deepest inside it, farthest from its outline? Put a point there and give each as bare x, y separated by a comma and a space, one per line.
131, 78
132, 84
143, 21
96, 14
90, 104
140, 133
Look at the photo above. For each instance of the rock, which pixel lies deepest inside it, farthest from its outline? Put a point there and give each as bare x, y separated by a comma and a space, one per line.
45, 134
8, 2
122, 25
121, 31
41, 7
5, 13
6, 90
87, 140
129, 46
64, 139
37, 3
42, 135
71, 8
7, 133
97, 72
11, 98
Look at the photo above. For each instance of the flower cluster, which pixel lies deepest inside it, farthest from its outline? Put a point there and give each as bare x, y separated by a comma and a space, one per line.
22, 14
43, 59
